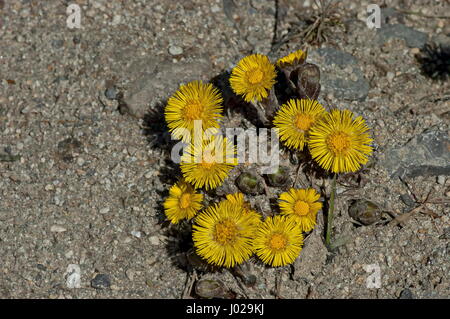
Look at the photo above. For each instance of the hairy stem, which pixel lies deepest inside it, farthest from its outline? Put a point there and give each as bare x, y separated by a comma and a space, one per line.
330, 212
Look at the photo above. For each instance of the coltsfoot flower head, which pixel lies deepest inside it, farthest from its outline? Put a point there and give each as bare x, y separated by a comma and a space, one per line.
183, 202
294, 119
253, 77
223, 234
194, 101
238, 199
302, 206
208, 164
278, 241
294, 58
340, 143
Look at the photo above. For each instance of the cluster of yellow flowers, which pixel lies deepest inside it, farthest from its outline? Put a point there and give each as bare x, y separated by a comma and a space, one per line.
230, 232
337, 141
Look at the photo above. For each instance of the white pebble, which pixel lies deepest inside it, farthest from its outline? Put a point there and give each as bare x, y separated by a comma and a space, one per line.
73, 279
175, 50
104, 210
136, 233
390, 76
148, 175
57, 229
80, 161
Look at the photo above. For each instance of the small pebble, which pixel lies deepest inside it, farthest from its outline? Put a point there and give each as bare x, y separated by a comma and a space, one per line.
101, 281
407, 200
73, 279
104, 210
406, 294
41, 267
148, 175
80, 161
136, 233
111, 93
130, 274
175, 50
441, 179
57, 229
76, 39
57, 44
390, 76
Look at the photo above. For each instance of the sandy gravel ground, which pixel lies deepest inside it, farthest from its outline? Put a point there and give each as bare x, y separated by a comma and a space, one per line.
84, 162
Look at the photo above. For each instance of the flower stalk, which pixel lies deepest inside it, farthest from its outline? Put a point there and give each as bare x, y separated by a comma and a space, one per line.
330, 212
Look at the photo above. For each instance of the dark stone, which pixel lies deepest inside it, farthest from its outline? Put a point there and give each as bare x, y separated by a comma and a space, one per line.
101, 281
76, 39
41, 267
111, 93
407, 200
424, 155
57, 44
339, 82
412, 37
406, 294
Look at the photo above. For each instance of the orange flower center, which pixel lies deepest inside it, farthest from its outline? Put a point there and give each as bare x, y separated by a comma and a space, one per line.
277, 242
303, 122
339, 142
226, 232
255, 76
193, 110
301, 208
185, 201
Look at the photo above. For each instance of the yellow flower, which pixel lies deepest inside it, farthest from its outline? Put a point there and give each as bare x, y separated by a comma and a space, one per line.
223, 234
297, 57
253, 77
238, 199
183, 202
294, 119
340, 143
302, 205
278, 241
194, 101
208, 164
